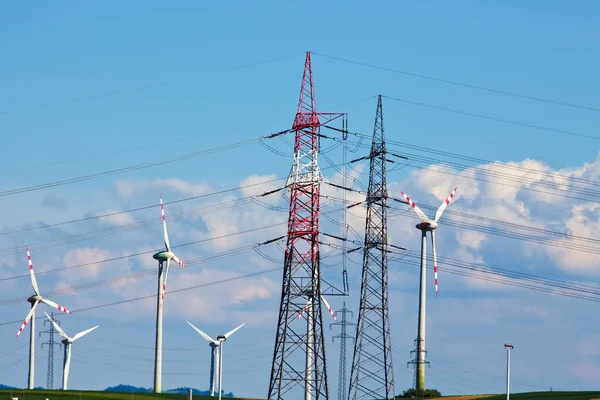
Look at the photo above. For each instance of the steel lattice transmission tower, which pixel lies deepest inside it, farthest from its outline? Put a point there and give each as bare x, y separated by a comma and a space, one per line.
299, 352
372, 374
50, 343
343, 336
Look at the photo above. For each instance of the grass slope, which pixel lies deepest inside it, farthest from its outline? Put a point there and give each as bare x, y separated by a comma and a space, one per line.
93, 395
545, 396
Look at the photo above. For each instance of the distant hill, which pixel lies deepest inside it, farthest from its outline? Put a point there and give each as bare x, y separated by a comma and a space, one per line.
127, 388
179, 390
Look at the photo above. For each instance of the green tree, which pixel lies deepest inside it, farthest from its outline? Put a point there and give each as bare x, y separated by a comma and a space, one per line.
426, 394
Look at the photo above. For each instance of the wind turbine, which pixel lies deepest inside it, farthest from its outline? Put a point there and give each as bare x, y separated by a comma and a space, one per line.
426, 225
221, 339
214, 357
34, 300
310, 342
162, 256
217, 355
67, 341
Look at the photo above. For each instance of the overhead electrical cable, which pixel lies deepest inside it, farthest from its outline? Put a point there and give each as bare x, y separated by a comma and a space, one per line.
139, 166
456, 83
496, 119
482, 171
120, 212
43, 272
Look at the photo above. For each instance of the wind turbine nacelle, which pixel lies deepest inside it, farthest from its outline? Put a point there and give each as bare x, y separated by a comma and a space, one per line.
34, 298
427, 226
163, 255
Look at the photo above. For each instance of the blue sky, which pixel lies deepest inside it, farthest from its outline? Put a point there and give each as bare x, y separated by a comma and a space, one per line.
187, 58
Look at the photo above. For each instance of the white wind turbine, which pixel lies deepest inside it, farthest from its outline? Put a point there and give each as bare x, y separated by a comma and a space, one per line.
310, 342
67, 341
216, 357
162, 256
34, 300
426, 225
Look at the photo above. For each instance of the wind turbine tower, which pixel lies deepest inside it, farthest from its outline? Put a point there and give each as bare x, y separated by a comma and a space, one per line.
163, 257
426, 225
34, 300
67, 342
221, 339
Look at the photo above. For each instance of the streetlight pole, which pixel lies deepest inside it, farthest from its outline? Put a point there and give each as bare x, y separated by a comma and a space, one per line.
508, 348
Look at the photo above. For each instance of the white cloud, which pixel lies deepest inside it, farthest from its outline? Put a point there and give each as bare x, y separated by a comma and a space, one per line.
127, 188
92, 256
117, 218
468, 311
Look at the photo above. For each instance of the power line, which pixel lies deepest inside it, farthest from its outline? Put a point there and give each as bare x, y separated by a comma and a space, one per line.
135, 275
95, 284
485, 172
503, 233
79, 99
185, 199
467, 85
62, 241
506, 121
132, 89
114, 303
130, 168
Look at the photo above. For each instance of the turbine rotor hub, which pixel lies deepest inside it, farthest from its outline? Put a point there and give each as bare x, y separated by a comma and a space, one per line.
34, 298
427, 226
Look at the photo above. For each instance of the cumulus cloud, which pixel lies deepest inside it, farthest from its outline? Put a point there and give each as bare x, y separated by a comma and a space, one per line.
89, 263
208, 302
114, 217
127, 188
466, 235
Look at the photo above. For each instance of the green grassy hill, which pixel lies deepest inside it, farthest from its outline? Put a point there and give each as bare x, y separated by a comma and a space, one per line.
547, 396
94, 395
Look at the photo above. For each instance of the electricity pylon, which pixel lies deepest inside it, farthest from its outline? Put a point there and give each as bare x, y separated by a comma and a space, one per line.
372, 374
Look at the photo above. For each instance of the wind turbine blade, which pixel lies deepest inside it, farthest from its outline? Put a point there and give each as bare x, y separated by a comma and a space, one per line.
420, 213
162, 299
435, 271
204, 335
231, 332
329, 308
305, 308
27, 318
83, 333
32, 274
53, 304
56, 326
442, 208
162, 209
178, 261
